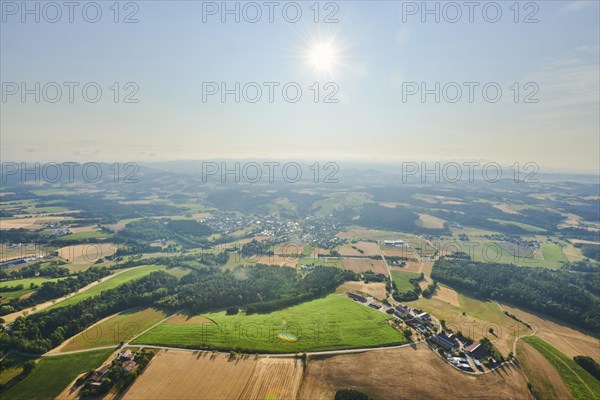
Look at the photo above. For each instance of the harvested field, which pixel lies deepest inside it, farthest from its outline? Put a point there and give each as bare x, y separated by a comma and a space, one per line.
284, 261
199, 375
360, 265
407, 373
354, 249
31, 222
567, 340
368, 248
80, 229
446, 294
430, 222
374, 289
546, 381
87, 253
398, 251
274, 379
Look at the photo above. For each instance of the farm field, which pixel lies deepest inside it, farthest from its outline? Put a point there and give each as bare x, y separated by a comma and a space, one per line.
176, 374
478, 317
87, 253
333, 322
527, 227
485, 250
401, 279
53, 374
544, 378
323, 261
360, 265
126, 276
358, 249
113, 330
567, 340
412, 372
26, 286
373, 289
580, 383
553, 255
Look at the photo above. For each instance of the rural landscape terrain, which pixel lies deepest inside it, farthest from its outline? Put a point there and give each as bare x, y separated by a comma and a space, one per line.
299, 200
171, 287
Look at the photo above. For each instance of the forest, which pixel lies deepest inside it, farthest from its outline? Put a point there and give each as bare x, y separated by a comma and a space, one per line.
569, 296
260, 288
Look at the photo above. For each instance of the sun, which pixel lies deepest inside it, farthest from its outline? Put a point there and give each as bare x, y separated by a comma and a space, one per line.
322, 57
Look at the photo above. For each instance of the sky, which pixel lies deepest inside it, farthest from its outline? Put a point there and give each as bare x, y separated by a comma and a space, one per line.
374, 81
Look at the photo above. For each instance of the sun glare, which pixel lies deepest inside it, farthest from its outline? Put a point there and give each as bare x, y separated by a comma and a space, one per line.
322, 57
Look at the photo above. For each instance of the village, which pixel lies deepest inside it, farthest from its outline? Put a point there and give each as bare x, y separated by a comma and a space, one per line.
457, 350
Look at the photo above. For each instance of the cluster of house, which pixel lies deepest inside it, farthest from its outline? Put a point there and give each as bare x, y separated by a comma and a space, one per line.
451, 343
94, 378
415, 318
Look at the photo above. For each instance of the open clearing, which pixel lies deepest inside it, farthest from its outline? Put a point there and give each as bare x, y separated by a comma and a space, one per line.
114, 329
580, 383
373, 289
53, 374
543, 376
567, 340
505, 208
360, 265
329, 323
430, 222
402, 280
176, 374
407, 373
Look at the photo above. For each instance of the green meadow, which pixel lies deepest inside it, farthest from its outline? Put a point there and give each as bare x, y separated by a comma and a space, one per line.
329, 323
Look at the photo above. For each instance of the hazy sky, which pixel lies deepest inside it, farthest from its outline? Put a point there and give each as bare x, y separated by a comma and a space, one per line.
373, 56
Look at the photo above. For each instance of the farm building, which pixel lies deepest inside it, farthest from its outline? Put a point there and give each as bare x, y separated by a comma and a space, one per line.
126, 355
396, 243
444, 341
99, 374
129, 366
423, 316
357, 297
476, 350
